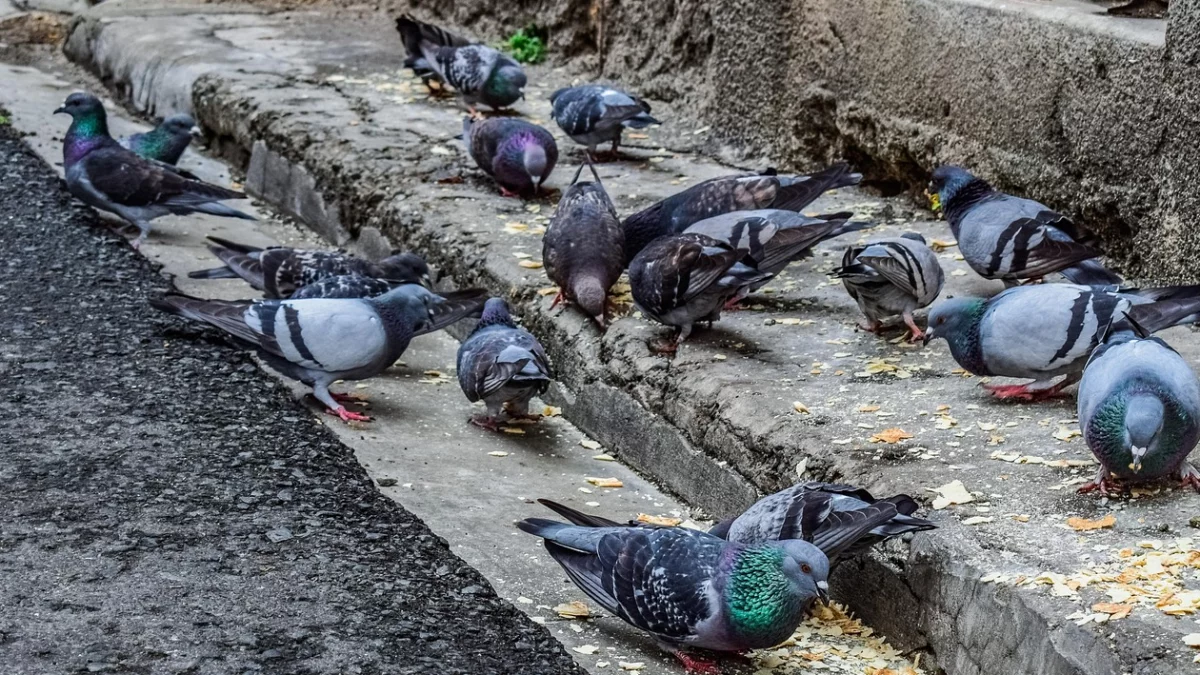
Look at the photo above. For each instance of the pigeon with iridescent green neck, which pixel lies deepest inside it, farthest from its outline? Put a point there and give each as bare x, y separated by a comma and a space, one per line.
1139, 408
519, 155
480, 73
111, 178
688, 588
165, 142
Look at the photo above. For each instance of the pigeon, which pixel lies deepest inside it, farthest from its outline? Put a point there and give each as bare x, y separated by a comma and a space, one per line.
502, 365
321, 341
166, 142
1012, 239
279, 271
583, 246
898, 275
713, 197
688, 588
344, 286
479, 73
772, 238
111, 178
1048, 330
680, 279
1139, 409
592, 114
519, 155
841, 520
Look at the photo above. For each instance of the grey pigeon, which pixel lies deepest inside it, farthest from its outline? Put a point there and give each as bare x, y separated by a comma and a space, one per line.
684, 278
344, 286
773, 238
1010, 238
1139, 408
502, 365
167, 141
479, 73
713, 197
583, 248
1048, 330
886, 277
519, 155
111, 178
592, 114
688, 588
321, 341
279, 271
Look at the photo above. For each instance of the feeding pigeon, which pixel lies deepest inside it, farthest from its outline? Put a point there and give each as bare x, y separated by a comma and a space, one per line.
279, 271
688, 588
772, 238
167, 141
1139, 409
502, 365
519, 155
344, 286
684, 278
480, 73
1048, 330
730, 193
111, 178
1009, 238
321, 341
592, 114
892, 276
582, 248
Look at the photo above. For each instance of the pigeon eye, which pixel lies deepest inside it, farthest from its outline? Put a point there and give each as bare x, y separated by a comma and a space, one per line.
806, 568
941, 320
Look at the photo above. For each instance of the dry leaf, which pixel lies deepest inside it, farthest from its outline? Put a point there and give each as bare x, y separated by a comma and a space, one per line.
530, 264
630, 665
551, 411
605, 482
939, 245
498, 453
658, 520
1115, 610
1083, 524
800, 407
977, 520
953, 492
604, 457
1192, 639
893, 435
985, 426
586, 650
572, 610
868, 408
516, 431
1066, 434
590, 444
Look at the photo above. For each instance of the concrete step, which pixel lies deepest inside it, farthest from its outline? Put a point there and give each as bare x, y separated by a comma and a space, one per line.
330, 131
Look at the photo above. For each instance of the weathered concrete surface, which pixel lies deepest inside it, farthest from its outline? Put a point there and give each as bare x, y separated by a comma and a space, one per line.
715, 423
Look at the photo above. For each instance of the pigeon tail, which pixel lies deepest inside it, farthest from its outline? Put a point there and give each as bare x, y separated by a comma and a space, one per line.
1091, 273
542, 527
640, 121
219, 209
800, 193
214, 273
233, 245
577, 517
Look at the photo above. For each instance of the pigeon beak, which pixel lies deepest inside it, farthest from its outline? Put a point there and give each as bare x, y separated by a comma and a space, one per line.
1138, 454
195, 132
426, 281
823, 591
60, 109
928, 336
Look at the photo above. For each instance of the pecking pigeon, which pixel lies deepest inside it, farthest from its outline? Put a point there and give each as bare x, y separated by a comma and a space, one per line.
713, 197
279, 271
519, 155
892, 276
772, 238
111, 178
1139, 408
479, 73
684, 278
583, 246
167, 141
1009, 238
344, 286
1048, 330
688, 588
321, 341
592, 114
502, 365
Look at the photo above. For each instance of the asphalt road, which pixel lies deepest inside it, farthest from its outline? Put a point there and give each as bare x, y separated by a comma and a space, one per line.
168, 509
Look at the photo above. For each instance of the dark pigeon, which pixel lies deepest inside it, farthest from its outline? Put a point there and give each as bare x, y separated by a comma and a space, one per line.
583, 246
111, 178
1012, 239
344, 286
502, 365
592, 114
714, 197
519, 155
167, 141
479, 73
280, 271
886, 277
321, 341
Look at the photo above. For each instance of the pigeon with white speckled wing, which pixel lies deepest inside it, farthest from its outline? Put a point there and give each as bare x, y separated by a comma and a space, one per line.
479, 73
344, 286
502, 365
321, 341
688, 588
592, 114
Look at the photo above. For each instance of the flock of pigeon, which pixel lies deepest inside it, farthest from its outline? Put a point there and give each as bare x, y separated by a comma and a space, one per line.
745, 584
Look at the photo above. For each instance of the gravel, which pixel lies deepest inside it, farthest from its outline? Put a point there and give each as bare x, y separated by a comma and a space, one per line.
169, 509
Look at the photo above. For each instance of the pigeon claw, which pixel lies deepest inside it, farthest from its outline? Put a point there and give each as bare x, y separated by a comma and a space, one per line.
505, 192
1189, 476
917, 334
486, 422
1023, 392
348, 415
559, 297
732, 305
694, 664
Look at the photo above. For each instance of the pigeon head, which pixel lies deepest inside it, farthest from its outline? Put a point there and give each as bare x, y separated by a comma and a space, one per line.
807, 568
522, 163
769, 588
1144, 414
957, 321
495, 313
949, 182
407, 268
505, 85
88, 118
180, 125
557, 93
589, 294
